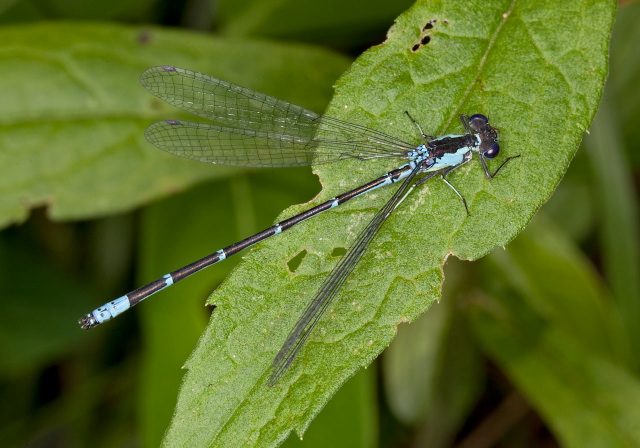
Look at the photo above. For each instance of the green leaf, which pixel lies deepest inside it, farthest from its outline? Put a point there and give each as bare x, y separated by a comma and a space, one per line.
74, 112
536, 69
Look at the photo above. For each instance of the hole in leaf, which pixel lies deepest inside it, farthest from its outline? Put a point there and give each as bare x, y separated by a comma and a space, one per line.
426, 39
429, 25
296, 261
338, 251
415, 48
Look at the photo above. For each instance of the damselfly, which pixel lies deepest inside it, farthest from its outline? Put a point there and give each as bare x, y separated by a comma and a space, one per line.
253, 129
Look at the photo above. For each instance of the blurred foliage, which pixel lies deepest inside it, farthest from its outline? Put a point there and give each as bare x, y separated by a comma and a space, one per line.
534, 345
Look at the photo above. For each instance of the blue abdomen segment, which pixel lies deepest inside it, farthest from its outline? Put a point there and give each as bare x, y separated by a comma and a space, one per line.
110, 310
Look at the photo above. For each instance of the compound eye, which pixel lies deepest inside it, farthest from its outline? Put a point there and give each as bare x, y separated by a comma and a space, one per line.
478, 122
492, 152
478, 117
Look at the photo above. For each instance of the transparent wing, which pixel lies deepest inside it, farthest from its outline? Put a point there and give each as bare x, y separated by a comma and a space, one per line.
333, 283
253, 129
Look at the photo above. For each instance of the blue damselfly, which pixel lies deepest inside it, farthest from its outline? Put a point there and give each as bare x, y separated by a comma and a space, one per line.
249, 128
